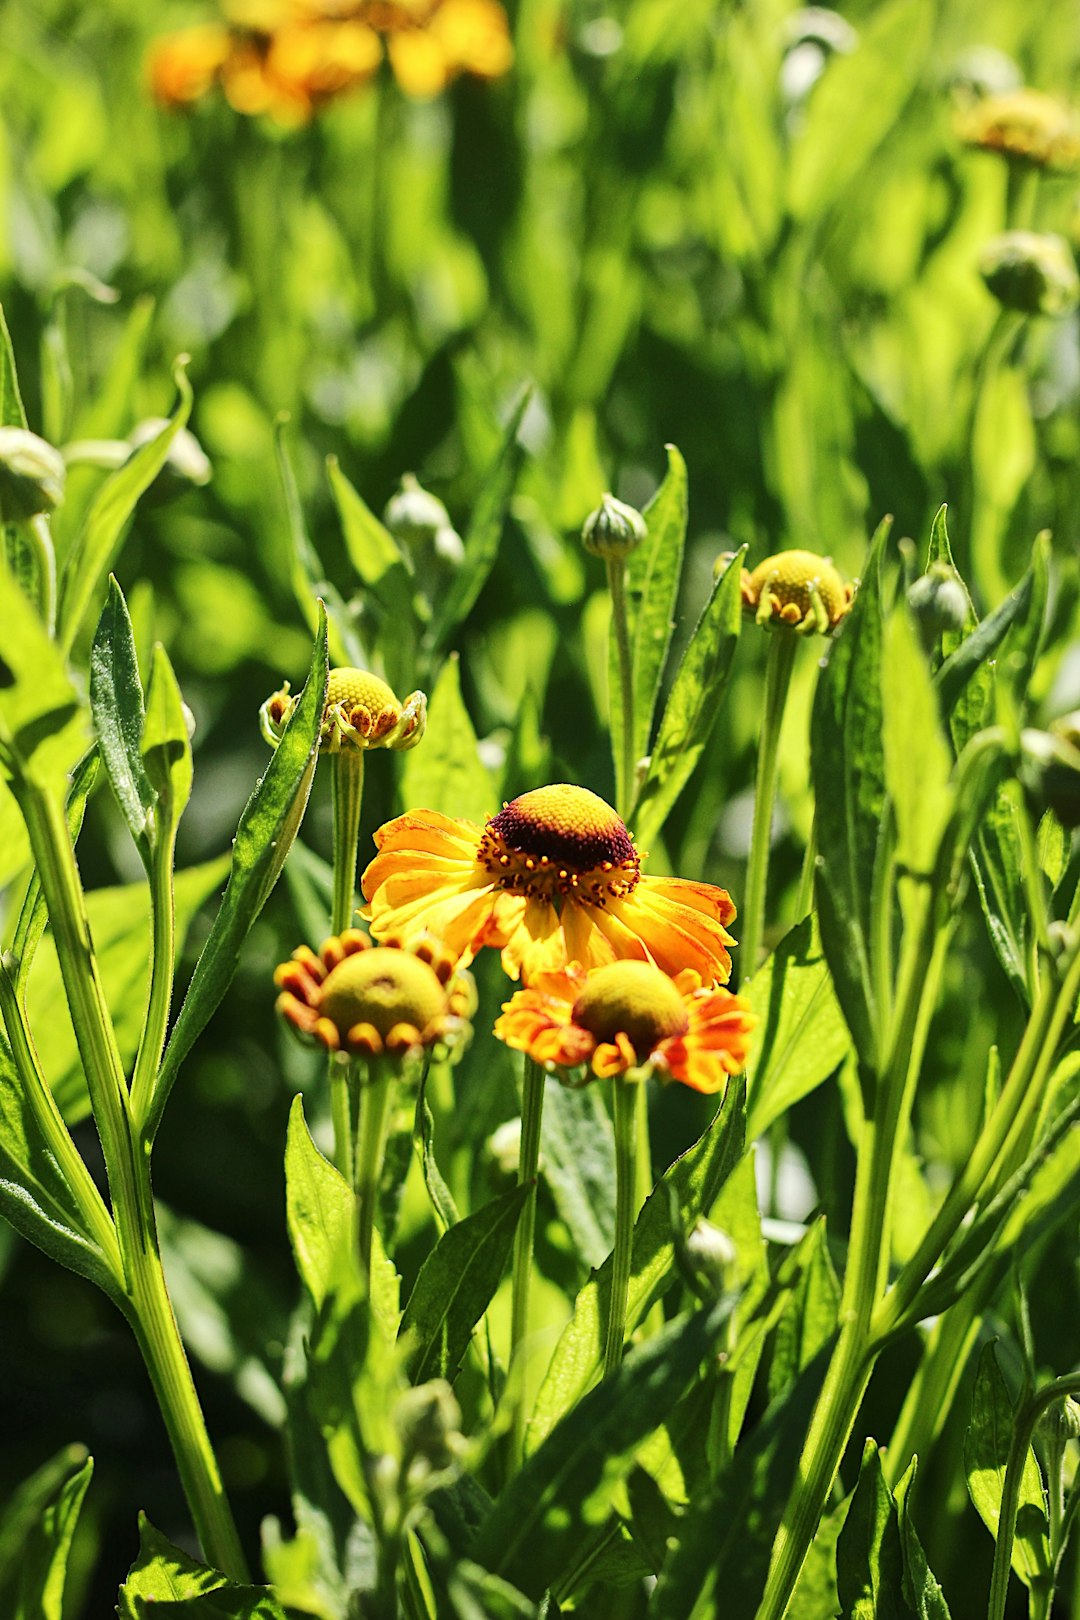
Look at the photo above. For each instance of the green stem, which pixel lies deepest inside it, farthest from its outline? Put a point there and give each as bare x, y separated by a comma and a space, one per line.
347, 792
804, 903
626, 772
375, 1093
38, 536
128, 1171
778, 667
532, 1108
625, 1111
1023, 1429
929, 1398
163, 964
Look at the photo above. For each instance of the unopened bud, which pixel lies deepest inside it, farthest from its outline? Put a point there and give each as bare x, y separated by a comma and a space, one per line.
186, 459
503, 1147
31, 475
1050, 768
428, 1419
1061, 1421
712, 1252
938, 603
1031, 272
614, 530
420, 520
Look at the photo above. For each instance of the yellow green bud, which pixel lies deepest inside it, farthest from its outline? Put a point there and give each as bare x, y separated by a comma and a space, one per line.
31, 475
614, 530
1031, 272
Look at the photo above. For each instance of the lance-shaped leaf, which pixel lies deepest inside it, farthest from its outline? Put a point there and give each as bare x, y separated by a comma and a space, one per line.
12, 413
43, 728
693, 703
309, 578
166, 747
801, 1037
918, 761
456, 1285
320, 1209
96, 545
165, 1582
26, 1504
116, 703
43, 1566
446, 772
577, 1152
384, 572
569, 1485
270, 822
987, 1444
848, 771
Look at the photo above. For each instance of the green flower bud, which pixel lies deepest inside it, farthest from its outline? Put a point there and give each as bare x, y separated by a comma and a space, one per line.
186, 460
428, 1419
613, 531
711, 1252
1050, 768
938, 603
421, 521
31, 475
1031, 272
1061, 1422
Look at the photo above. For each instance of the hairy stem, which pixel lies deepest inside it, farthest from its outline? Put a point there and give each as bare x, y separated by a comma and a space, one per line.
778, 667
625, 1110
375, 1094
532, 1108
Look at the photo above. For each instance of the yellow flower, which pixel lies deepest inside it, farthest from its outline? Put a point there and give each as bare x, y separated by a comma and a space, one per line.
1024, 125
553, 878
629, 1015
799, 589
183, 66
361, 712
431, 44
360, 999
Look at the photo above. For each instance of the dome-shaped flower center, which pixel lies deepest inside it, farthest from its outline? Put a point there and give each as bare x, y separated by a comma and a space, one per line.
360, 693
561, 840
789, 576
633, 999
382, 987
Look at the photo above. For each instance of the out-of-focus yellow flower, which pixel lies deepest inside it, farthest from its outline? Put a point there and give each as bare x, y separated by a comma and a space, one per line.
630, 1015
1024, 125
553, 878
798, 589
183, 66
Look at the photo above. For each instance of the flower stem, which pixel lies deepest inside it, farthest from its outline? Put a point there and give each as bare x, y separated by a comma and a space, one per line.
625, 1110
1023, 1429
532, 1108
375, 1095
626, 773
347, 790
778, 667
163, 965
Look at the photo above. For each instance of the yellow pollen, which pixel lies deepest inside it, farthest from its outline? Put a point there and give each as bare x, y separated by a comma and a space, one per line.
789, 575
558, 840
358, 689
633, 999
382, 987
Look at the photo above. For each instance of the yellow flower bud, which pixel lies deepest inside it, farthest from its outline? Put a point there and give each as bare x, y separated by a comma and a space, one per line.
798, 589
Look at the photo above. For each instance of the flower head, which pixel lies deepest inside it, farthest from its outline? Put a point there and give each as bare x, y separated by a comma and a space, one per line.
32, 475
614, 530
798, 589
630, 1015
361, 999
361, 712
1031, 271
553, 878
1025, 126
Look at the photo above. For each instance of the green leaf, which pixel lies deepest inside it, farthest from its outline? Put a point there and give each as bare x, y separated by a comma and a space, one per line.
811, 1319
442, 1199
43, 1566
848, 771
801, 1037
1053, 845
42, 723
320, 1209
34, 1196
164, 1581
923, 1593
986, 1454
120, 928
445, 772
96, 545
12, 413
455, 1286
270, 822
695, 1179
484, 533
693, 703
652, 590
116, 703
726, 1535
166, 747
33, 914
971, 661
27, 1503
568, 1487
309, 578
869, 1559
577, 1155
918, 761
384, 571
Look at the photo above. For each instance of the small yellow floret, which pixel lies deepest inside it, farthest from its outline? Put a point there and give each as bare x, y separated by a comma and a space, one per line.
797, 588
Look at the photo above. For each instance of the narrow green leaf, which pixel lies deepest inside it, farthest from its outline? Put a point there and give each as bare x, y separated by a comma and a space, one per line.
12, 413
109, 411
986, 1456
1053, 845
726, 1535
918, 761
695, 1178
320, 1209
455, 1286
848, 771
568, 1487
922, 1592
869, 1559
166, 747
43, 727
976, 649
445, 772
98, 540
309, 578
378, 559
801, 1037
43, 1570
811, 1319
23, 1510
270, 822
442, 1200
484, 533
693, 703
577, 1155
33, 914
116, 704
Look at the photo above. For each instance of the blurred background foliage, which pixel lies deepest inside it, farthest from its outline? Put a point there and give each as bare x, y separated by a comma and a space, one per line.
748, 230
